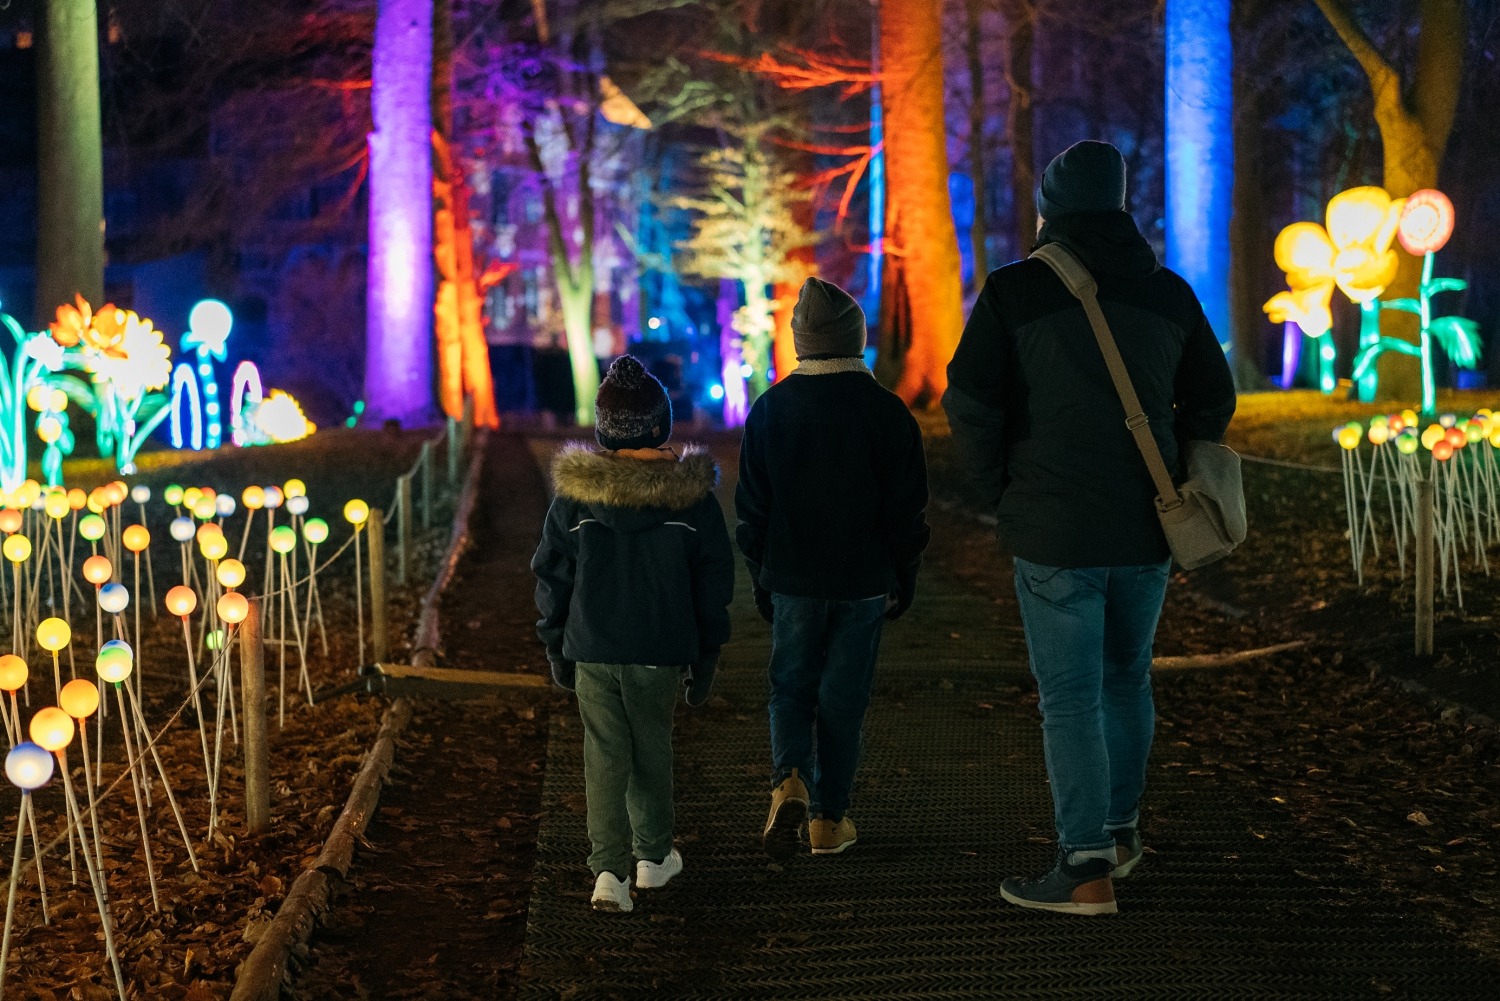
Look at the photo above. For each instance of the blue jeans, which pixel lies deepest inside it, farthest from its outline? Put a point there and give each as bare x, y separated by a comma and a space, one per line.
1089, 633
822, 668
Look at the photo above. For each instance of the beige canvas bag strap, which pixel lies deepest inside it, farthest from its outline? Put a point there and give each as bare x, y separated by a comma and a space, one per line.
1078, 280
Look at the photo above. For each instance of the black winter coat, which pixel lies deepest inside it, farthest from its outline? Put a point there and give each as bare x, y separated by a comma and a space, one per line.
833, 486
635, 565
1037, 419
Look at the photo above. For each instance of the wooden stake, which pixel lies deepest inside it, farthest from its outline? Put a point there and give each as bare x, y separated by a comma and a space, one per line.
403, 528
257, 752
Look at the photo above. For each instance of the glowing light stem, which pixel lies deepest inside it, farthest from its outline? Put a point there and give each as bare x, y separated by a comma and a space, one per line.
270, 574
88, 787
280, 600
221, 672
1368, 522
10, 731
16, 638
245, 537
359, 596
161, 771
96, 875
15, 879
65, 572
140, 648
296, 629
1429, 387
312, 596
140, 802
150, 570
1346, 466
1383, 460
187, 641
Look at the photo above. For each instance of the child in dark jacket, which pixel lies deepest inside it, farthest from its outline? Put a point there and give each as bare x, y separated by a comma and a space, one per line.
831, 504
634, 578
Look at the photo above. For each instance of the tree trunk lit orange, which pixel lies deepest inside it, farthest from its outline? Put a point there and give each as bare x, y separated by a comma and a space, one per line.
919, 217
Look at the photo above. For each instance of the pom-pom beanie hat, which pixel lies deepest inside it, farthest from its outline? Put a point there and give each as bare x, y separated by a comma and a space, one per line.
631, 409
827, 322
1088, 176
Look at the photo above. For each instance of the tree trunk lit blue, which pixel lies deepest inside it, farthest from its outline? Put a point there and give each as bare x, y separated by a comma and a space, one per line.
398, 360
1200, 151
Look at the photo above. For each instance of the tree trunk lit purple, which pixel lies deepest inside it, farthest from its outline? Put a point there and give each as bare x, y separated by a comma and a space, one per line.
398, 360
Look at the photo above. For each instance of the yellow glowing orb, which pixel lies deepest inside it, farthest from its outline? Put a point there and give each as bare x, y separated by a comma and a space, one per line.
294, 488
231, 573
136, 538
52, 729
53, 634
253, 498
356, 512
17, 548
56, 505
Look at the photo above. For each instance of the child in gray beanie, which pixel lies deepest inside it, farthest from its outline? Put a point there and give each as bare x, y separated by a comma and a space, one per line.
831, 502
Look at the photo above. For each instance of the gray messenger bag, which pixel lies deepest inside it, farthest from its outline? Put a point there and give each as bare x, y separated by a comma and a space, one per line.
1204, 516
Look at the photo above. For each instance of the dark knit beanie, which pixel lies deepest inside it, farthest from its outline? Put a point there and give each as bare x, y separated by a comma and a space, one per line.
631, 410
1088, 176
827, 322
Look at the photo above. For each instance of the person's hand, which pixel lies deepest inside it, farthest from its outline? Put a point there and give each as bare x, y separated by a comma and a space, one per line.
900, 600
763, 603
564, 672
700, 680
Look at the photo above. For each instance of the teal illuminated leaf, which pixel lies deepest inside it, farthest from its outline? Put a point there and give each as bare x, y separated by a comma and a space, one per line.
1367, 356
1459, 337
1405, 305
1444, 285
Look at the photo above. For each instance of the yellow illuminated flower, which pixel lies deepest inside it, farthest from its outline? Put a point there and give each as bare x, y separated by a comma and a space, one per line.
1304, 252
1362, 224
280, 417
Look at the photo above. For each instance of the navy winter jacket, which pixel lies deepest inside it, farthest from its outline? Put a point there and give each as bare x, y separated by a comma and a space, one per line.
634, 565
1037, 419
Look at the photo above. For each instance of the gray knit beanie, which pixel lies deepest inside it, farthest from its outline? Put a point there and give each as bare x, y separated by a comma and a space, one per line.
1088, 176
827, 322
631, 409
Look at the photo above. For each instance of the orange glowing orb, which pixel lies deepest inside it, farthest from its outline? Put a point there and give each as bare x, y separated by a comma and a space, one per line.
52, 729
10, 520
233, 607
79, 698
96, 570
77, 499
13, 672
181, 600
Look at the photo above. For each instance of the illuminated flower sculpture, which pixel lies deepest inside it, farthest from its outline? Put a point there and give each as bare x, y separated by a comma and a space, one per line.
1423, 228
127, 359
27, 367
1355, 254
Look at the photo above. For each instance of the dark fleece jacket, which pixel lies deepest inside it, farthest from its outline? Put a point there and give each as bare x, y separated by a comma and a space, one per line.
832, 495
1037, 419
635, 565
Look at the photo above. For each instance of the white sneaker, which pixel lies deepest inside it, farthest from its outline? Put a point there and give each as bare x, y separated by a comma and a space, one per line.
654, 875
611, 894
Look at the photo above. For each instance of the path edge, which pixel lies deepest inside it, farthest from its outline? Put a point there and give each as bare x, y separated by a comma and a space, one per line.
262, 974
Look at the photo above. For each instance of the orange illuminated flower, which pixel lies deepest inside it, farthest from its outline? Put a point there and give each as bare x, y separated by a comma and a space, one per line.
71, 322
1426, 222
107, 333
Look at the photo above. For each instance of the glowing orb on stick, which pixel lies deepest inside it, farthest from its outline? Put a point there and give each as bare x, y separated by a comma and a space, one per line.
231, 573
13, 672
54, 633
96, 570
136, 538
28, 766
52, 729
297, 505
215, 639
115, 661
113, 598
205, 508
10, 520
233, 607
182, 529
56, 505
91, 527
1348, 438
294, 488
213, 547
181, 600
1432, 435
1456, 437
253, 498
140, 493
77, 499
225, 505
1442, 451
209, 531
315, 531
1406, 443
274, 497
172, 494
356, 512
190, 497
1378, 433
283, 539
79, 698
17, 548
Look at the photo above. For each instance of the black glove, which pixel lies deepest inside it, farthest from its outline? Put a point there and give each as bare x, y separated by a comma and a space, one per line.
906, 590
763, 603
564, 671
700, 680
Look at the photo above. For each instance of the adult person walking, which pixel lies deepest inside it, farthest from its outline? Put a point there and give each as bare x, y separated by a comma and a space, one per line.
1036, 417
831, 505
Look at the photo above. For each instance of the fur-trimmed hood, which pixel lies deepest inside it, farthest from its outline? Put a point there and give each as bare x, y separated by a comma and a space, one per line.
632, 494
